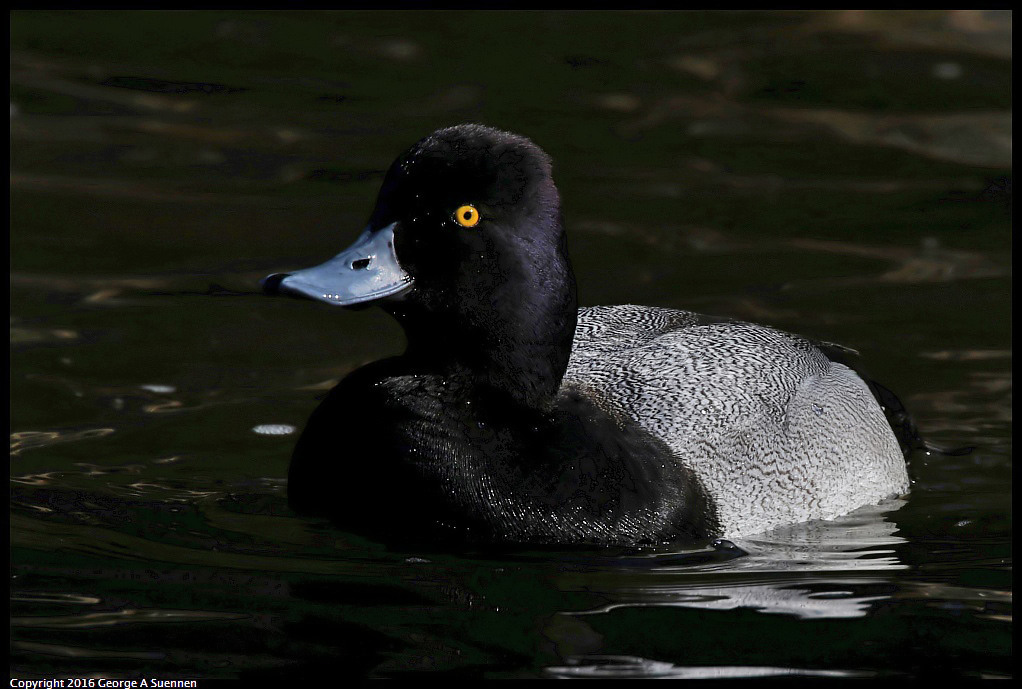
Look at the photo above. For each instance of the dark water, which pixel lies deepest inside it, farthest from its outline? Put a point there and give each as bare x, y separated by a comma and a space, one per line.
845, 176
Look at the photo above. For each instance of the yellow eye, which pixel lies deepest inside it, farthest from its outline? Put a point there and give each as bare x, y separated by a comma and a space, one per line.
467, 216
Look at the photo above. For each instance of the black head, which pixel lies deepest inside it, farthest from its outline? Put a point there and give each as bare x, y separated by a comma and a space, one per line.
466, 248
476, 211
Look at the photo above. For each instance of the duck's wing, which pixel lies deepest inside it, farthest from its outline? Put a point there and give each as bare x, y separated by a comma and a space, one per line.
670, 363
614, 330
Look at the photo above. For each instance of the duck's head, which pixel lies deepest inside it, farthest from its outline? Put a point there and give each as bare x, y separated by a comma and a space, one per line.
465, 247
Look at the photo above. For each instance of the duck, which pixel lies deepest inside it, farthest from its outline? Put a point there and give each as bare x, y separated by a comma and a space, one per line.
516, 417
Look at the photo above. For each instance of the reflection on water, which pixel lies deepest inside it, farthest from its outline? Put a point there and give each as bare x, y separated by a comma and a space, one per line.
25, 440
108, 619
56, 651
778, 571
860, 540
274, 429
845, 175
818, 571
624, 667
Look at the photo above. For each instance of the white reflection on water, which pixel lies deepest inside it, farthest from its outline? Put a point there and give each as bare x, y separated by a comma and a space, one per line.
274, 429
159, 389
779, 573
861, 540
811, 571
777, 598
630, 666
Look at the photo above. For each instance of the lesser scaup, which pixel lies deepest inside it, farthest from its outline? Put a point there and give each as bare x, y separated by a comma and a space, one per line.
516, 417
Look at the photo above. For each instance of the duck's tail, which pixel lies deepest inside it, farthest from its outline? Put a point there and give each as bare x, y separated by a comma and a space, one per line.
898, 417
904, 427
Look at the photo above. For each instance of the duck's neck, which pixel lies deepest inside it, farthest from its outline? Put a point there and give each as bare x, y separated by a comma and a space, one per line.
513, 341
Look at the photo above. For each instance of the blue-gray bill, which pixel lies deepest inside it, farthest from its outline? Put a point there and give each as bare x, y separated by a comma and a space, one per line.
366, 271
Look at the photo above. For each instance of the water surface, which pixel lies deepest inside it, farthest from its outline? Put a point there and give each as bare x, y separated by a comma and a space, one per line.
844, 175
